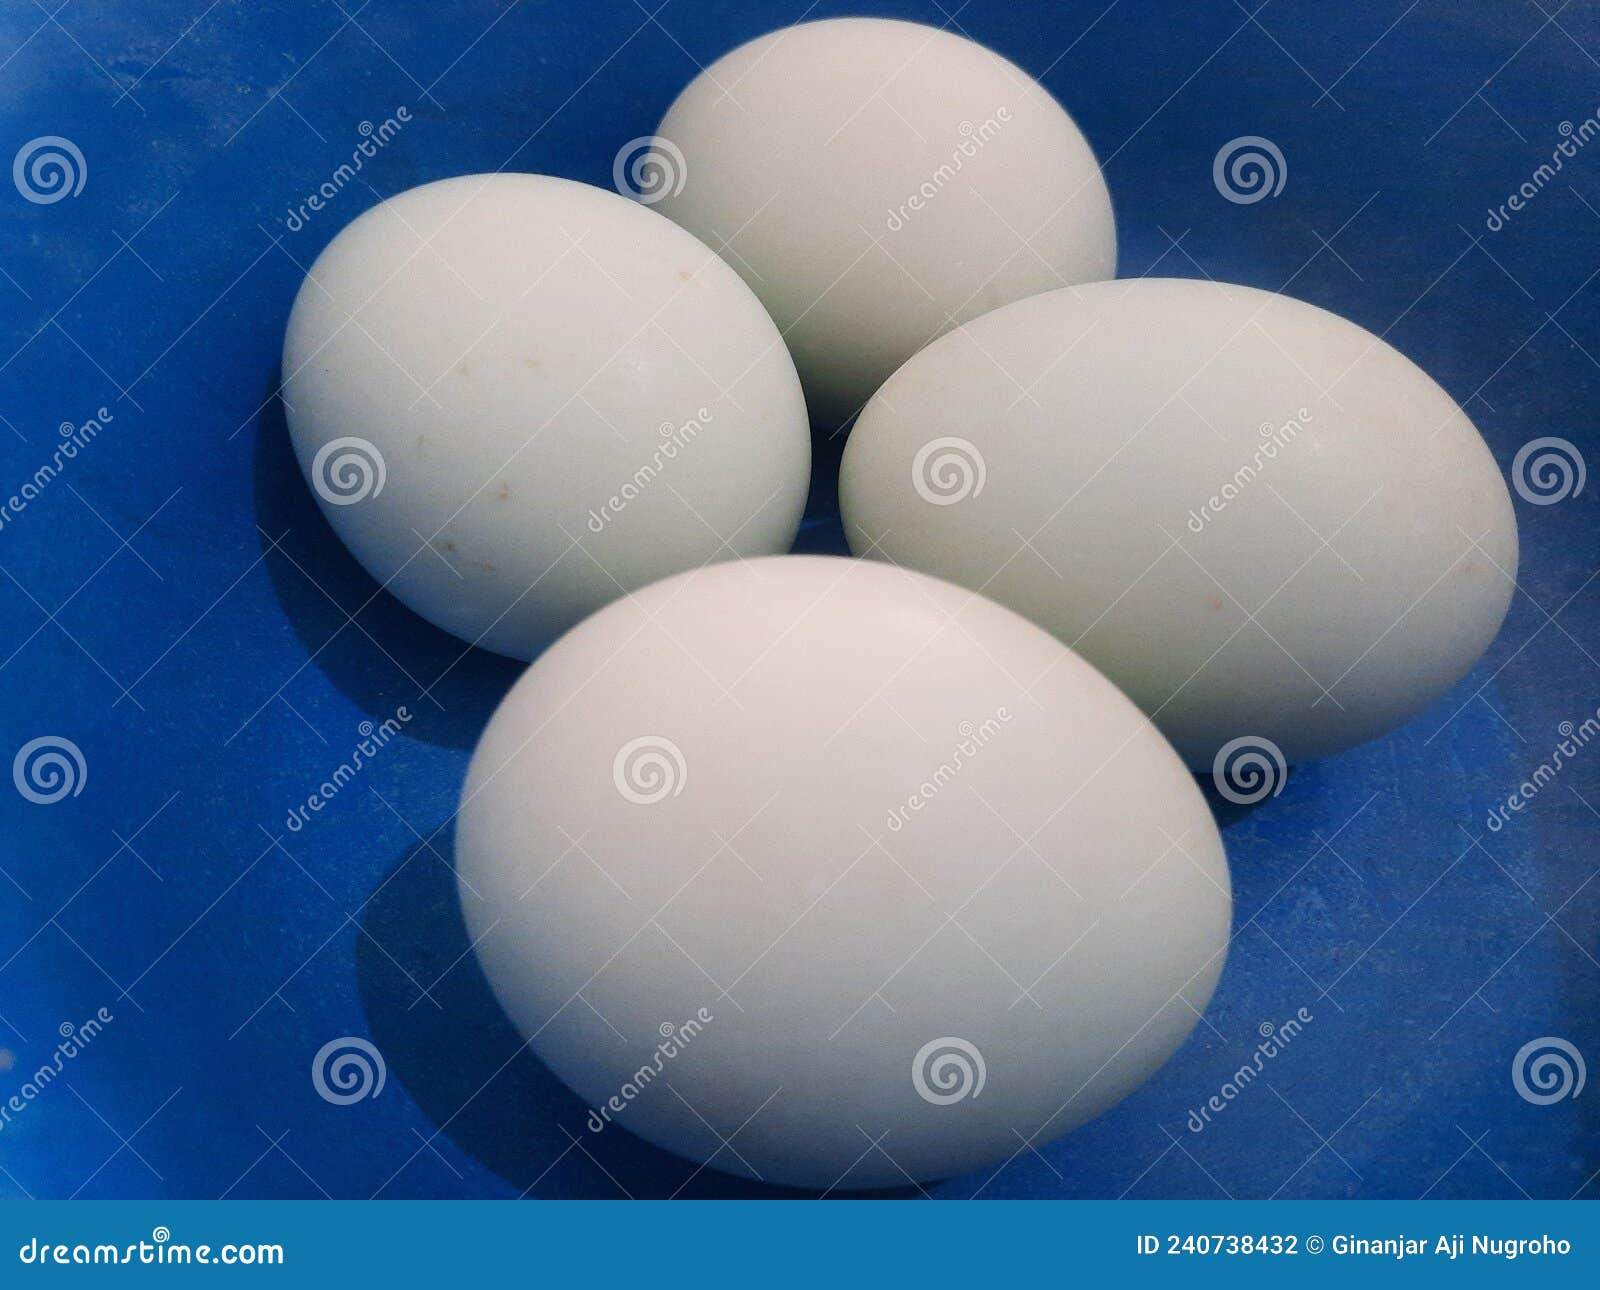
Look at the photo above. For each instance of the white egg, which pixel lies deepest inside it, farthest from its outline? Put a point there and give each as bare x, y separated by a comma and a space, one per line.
517, 397
1258, 519
832, 874
877, 182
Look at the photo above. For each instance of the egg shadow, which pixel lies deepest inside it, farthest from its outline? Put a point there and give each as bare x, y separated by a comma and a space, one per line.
821, 528
1228, 811
444, 1036
376, 651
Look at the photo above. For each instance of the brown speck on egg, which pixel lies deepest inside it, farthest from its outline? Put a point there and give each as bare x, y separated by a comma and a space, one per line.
504, 493
684, 275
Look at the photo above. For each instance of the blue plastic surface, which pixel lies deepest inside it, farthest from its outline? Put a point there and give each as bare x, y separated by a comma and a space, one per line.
173, 603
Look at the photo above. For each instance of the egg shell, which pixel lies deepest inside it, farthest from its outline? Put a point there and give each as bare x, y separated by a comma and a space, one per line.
933, 880
877, 182
1257, 518
517, 397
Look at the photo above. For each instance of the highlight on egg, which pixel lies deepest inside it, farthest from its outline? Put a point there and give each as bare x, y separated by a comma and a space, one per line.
831, 874
517, 397
1261, 521
877, 182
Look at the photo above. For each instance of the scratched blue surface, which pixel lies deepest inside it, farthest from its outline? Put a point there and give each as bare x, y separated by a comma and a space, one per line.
174, 604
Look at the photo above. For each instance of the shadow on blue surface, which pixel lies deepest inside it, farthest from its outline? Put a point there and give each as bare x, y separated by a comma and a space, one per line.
213, 676
315, 578
434, 1017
